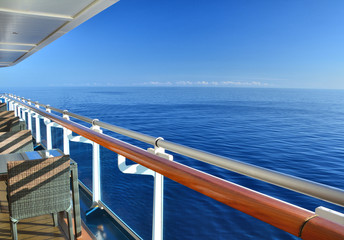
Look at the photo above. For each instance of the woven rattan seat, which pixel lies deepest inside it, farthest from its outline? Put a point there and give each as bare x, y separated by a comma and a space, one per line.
39, 187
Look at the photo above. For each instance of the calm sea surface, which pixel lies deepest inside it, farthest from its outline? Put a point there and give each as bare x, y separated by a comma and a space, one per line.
298, 132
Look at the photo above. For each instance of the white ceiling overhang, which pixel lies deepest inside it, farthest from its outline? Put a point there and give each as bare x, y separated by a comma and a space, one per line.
26, 26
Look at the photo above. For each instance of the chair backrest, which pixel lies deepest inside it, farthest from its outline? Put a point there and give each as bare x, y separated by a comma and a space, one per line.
38, 187
16, 141
3, 106
7, 122
6, 114
18, 126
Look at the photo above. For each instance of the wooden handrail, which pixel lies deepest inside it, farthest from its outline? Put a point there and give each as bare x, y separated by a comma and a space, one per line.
314, 229
287, 217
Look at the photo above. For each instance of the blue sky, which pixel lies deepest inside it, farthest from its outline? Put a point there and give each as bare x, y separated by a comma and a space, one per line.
249, 43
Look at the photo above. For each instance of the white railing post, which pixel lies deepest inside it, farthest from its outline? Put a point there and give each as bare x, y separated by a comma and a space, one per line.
65, 135
24, 112
10, 105
158, 207
38, 126
14, 105
158, 198
15, 109
96, 170
19, 109
7, 103
29, 118
48, 126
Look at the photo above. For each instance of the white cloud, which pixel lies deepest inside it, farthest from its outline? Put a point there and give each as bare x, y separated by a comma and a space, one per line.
156, 83
185, 83
206, 83
253, 83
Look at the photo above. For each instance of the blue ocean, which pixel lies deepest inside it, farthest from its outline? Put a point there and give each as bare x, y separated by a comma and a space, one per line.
294, 131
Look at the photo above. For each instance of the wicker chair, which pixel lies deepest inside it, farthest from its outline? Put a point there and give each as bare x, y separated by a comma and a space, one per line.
3, 106
39, 187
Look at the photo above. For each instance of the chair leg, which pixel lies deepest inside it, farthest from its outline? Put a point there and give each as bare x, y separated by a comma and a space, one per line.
70, 225
55, 219
14, 230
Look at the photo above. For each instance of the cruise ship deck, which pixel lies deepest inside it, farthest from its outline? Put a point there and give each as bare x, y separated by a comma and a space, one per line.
28, 27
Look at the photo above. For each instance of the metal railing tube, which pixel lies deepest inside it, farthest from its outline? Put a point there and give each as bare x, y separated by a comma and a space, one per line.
321, 191
317, 190
129, 133
56, 109
126, 132
282, 215
82, 118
